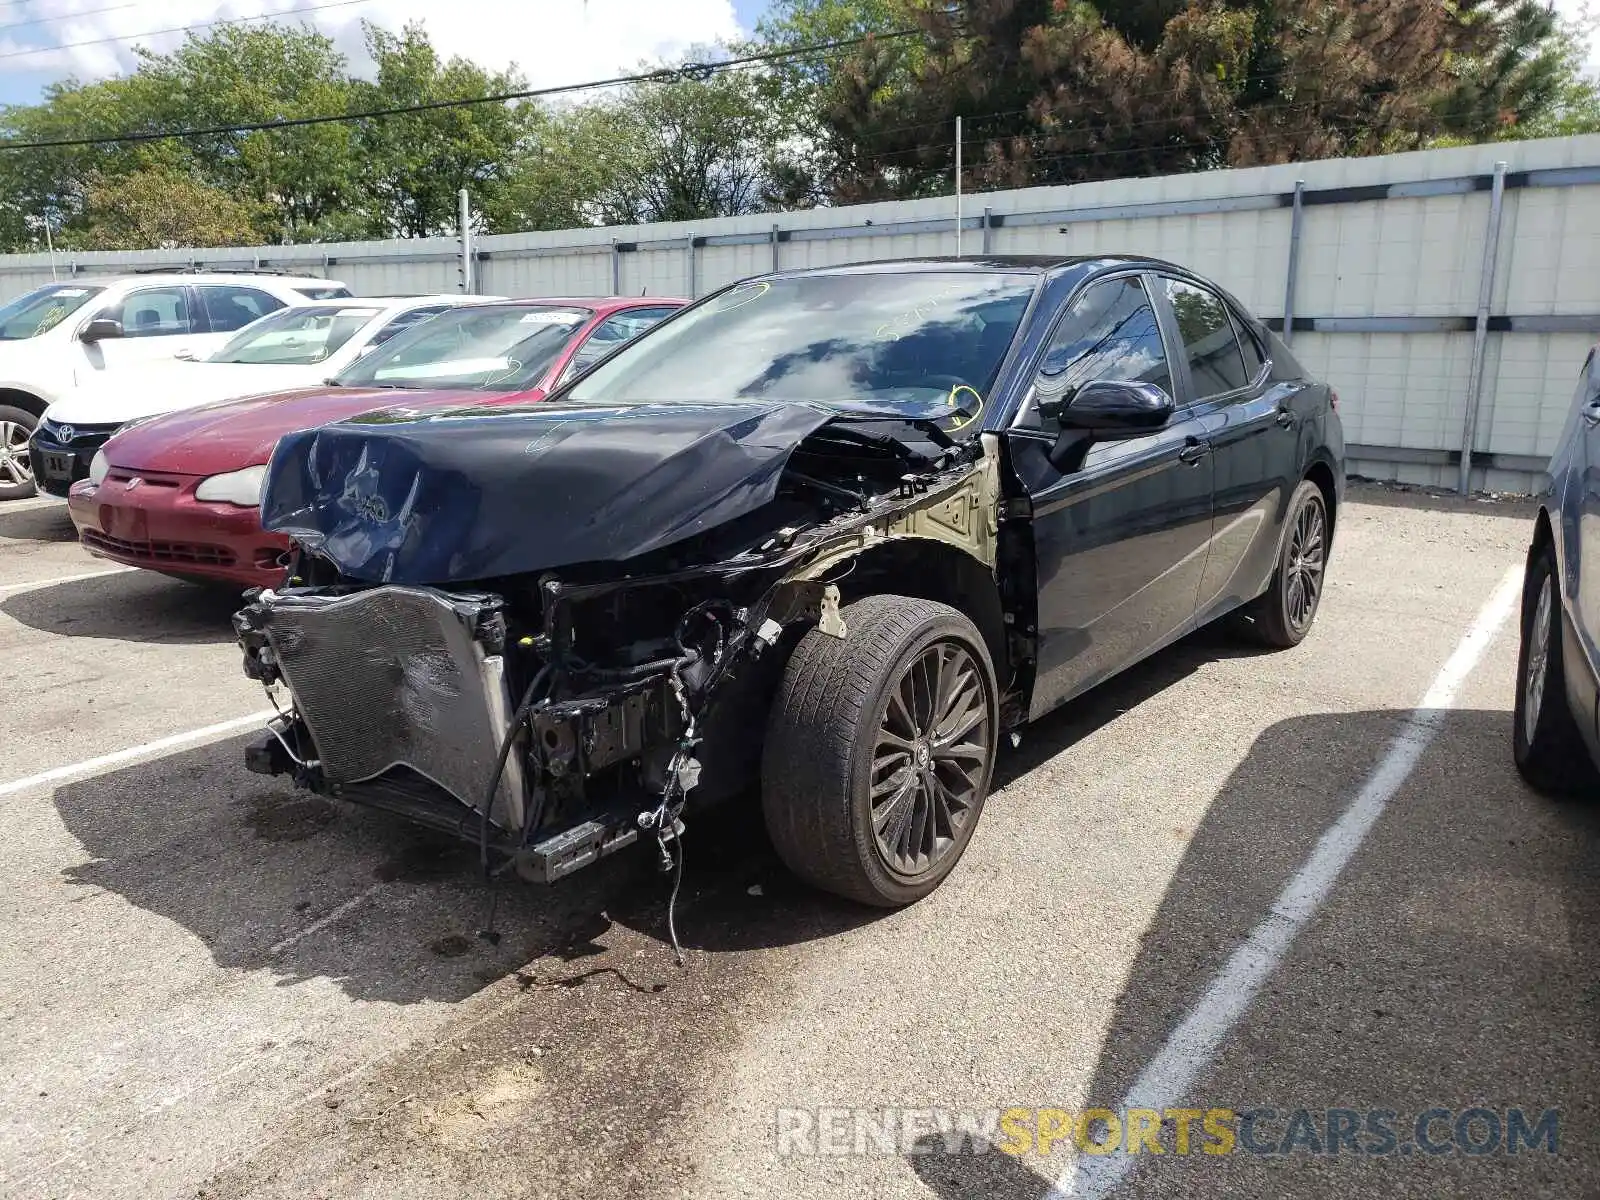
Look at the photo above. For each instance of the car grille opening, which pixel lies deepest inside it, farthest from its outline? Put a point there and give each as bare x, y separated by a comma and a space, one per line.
178, 554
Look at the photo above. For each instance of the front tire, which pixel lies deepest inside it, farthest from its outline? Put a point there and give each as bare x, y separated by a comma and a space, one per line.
880, 750
1545, 743
1282, 615
16, 471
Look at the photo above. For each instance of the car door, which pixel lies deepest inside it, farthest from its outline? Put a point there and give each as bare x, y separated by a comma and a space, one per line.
1585, 548
1254, 439
157, 322
1120, 528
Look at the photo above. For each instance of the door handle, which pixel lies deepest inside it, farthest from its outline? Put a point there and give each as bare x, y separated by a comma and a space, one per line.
1285, 419
1194, 452
1591, 412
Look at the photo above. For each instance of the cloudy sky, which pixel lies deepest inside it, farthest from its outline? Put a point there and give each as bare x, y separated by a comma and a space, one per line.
553, 41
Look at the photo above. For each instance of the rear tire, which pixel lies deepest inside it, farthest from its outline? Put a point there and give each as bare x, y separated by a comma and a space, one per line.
1545, 742
16, 473
880, 750
1282, 615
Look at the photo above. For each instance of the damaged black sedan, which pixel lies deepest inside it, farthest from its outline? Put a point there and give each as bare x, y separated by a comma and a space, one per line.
827, 535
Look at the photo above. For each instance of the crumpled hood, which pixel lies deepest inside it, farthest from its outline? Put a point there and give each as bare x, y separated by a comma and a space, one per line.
482, 493
164, 387
236, 434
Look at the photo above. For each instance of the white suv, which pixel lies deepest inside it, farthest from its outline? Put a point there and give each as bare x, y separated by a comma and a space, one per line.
63, 335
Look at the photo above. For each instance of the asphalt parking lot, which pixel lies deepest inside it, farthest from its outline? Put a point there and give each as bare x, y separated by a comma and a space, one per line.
213, 986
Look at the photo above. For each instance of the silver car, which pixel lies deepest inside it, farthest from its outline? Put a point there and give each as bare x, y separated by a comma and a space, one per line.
1556, 742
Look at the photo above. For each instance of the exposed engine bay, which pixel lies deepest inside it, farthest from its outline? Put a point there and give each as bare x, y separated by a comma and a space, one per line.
554, 716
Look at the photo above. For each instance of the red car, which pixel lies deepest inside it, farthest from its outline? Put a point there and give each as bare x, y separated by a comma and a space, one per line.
180, 493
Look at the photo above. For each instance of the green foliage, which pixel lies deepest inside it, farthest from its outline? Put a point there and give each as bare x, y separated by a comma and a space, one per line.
160, 208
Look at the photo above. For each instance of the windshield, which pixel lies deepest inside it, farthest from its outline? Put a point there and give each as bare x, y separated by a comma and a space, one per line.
42, 309
908, 341
503, 347
294, 337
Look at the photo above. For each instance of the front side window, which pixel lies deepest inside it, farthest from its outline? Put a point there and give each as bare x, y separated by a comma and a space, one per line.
1110, 333
155, 312
230, 308
295, 336
609, 334
904, 341
42, 309
1215, 364
406, 320
502, 347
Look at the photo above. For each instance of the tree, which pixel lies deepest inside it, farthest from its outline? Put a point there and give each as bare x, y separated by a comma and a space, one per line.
1056, 91
682, 149
159, 208
414, 164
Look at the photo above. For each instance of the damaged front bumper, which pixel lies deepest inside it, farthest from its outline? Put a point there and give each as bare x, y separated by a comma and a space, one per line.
399, 698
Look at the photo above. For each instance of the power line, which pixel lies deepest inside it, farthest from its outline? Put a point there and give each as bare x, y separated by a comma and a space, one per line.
666, 74
71, 16
132, 37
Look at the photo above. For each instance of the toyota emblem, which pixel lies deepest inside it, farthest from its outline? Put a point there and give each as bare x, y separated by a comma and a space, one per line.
66, 432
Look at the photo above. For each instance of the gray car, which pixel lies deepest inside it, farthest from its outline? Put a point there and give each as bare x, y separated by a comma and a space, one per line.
1556, 742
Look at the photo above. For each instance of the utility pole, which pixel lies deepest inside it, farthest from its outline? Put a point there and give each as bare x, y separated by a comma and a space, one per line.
51, 247
466, 282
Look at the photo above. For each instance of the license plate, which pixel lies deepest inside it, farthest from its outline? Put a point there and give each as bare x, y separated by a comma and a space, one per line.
59, 466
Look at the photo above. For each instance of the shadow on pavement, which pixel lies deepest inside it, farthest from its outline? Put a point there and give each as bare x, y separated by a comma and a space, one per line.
131, 606
37, 523
245, 862
1453, 965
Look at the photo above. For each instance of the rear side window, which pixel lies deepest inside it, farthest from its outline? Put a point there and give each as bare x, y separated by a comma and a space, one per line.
154, 312
1250, 348
1109, 333
1215, 363
229, 308
333, 291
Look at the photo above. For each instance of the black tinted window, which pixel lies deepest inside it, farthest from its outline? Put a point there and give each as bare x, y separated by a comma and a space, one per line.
1252, 349
230, 308
1215, 364
1109, 333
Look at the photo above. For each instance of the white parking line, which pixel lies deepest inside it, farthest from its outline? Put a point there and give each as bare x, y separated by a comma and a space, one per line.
12, 588
93, 766
1193, 1045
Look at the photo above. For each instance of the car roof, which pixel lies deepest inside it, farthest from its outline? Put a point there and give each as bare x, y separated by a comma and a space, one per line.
207, 277
600, 304
1034, 263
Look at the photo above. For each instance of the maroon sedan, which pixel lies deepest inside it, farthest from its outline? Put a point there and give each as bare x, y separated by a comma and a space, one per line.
180, 493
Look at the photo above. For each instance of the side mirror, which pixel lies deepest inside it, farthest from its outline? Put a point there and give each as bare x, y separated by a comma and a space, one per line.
101, 328
1112, 408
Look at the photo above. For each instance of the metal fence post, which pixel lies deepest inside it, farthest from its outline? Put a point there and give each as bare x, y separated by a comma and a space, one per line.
616, 269
987, 215
1296, 228
464, 241
689, 267
1480, 331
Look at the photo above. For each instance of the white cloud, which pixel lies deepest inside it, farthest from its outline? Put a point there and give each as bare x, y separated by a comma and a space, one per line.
553, 41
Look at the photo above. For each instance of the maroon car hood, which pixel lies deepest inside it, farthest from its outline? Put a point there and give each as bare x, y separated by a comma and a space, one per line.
241, 433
